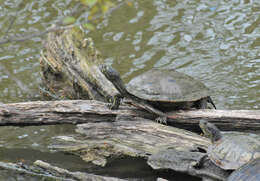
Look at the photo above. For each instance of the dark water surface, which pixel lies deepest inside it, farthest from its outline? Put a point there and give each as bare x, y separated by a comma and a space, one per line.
217, 42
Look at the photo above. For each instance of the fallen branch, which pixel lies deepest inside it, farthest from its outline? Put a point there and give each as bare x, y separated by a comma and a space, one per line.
45, 171
84, 111
166, 148
26, 170
184, 161
240, 120
81, 176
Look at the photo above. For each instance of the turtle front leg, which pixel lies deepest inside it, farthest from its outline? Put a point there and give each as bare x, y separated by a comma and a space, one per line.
162, 117
114, 101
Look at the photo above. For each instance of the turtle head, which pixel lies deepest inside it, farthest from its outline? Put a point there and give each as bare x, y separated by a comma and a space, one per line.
114, 77
109, 72
210, 130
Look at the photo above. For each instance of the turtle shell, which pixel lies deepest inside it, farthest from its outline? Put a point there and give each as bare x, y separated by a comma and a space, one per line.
234, 149
248, 172
166, 85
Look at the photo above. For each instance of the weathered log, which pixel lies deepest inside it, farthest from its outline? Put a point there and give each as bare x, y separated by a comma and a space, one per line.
61, 172
240, 120
21, 168
83, 111
45, 171
184, 161
165, 147
69, 63
62, 112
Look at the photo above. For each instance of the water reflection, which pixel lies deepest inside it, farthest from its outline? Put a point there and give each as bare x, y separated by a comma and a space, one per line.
33, 137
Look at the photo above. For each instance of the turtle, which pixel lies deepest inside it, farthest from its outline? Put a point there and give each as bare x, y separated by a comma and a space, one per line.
229, 151
248, 172
161, 90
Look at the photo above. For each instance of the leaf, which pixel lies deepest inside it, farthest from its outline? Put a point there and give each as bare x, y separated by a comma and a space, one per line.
84, 2
129, 3
69, 20
107, 6
89, 2
89, 26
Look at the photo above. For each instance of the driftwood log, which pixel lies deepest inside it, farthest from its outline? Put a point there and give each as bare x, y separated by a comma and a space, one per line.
166, 148
69, 64
45, 171
84, 111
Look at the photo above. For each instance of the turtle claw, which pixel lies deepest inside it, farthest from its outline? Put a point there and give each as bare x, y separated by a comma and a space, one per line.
161, 120
199, 163
112, 106
114, 102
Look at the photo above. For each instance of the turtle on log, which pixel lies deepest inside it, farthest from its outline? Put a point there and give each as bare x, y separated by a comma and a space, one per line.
161, 90
230, 151
248, 172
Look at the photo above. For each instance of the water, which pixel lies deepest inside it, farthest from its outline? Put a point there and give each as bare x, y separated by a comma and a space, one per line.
214, 41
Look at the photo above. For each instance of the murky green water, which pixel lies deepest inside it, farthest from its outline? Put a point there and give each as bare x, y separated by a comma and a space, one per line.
217, 42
